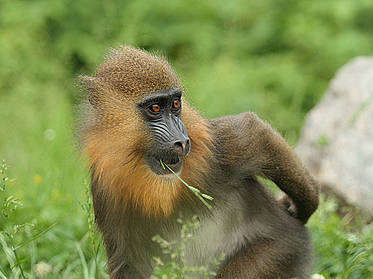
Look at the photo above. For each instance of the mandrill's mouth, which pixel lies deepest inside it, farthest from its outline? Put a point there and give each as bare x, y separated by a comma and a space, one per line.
158, 164
167, 161
173, 163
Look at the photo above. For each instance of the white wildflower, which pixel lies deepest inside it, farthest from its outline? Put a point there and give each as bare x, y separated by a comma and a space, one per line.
317, 276
42, 269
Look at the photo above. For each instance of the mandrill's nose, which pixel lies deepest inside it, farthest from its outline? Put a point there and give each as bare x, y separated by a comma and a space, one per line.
182, 147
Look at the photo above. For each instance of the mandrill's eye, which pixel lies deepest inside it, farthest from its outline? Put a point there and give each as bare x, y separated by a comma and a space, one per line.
155, 108
176, 104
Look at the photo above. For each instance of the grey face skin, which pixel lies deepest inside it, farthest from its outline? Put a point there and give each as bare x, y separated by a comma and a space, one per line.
171, 142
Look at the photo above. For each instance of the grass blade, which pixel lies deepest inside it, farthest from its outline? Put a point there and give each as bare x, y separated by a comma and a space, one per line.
196, 191
83, 261
36, 236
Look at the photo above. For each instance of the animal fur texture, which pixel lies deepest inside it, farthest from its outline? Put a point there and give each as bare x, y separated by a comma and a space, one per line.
259, 236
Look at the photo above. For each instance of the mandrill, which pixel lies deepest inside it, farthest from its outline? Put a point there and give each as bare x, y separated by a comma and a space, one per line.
135, 121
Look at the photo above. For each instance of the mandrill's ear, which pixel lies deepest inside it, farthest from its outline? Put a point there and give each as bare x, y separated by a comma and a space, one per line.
93, 86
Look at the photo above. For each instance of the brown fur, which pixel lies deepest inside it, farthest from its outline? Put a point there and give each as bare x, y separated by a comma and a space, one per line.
135, 72
258, 235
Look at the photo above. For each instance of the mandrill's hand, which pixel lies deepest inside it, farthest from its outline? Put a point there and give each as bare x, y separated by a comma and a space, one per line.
286, 203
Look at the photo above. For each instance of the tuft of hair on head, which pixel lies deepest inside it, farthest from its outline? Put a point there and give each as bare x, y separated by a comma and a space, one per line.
132, 72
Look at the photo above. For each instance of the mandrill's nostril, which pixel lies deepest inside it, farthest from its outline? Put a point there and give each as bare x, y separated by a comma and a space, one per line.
179, 146
182, 146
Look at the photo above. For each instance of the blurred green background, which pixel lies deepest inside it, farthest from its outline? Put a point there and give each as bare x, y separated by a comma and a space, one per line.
273, 57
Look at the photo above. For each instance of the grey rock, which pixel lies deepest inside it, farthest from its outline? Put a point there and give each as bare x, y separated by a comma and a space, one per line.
337, 140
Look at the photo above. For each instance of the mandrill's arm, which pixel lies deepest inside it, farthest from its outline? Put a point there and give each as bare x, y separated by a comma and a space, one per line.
276, 160
256, 149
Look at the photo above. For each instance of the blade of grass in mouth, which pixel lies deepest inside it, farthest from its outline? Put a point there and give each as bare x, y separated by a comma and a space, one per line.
196, 191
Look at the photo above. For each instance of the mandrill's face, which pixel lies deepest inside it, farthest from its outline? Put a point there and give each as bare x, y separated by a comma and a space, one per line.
170, 140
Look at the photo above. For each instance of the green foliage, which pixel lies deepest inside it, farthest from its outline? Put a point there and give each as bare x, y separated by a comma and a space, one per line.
21, 244
13, 236
8, 232
177, 266
341, 252
273, 57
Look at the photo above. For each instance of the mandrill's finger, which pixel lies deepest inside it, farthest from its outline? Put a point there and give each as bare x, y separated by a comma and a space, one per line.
285, 202
288, 205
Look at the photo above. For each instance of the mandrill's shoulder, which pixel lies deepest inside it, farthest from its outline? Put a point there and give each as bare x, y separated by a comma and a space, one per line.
236, 137
236, 123
235, 129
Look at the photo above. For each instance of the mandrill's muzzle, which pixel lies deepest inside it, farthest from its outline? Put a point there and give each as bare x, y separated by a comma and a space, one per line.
181, 147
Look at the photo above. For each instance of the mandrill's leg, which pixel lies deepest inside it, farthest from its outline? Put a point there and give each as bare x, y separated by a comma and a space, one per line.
267, 259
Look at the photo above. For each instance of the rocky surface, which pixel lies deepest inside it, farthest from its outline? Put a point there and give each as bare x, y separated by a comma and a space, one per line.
337, 139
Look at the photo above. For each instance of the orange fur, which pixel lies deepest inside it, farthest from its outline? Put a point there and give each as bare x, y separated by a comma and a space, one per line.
134, 181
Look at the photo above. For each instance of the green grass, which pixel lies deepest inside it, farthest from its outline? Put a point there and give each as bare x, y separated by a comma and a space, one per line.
177, 267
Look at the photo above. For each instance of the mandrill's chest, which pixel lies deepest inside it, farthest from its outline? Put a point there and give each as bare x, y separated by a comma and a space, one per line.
219, 234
